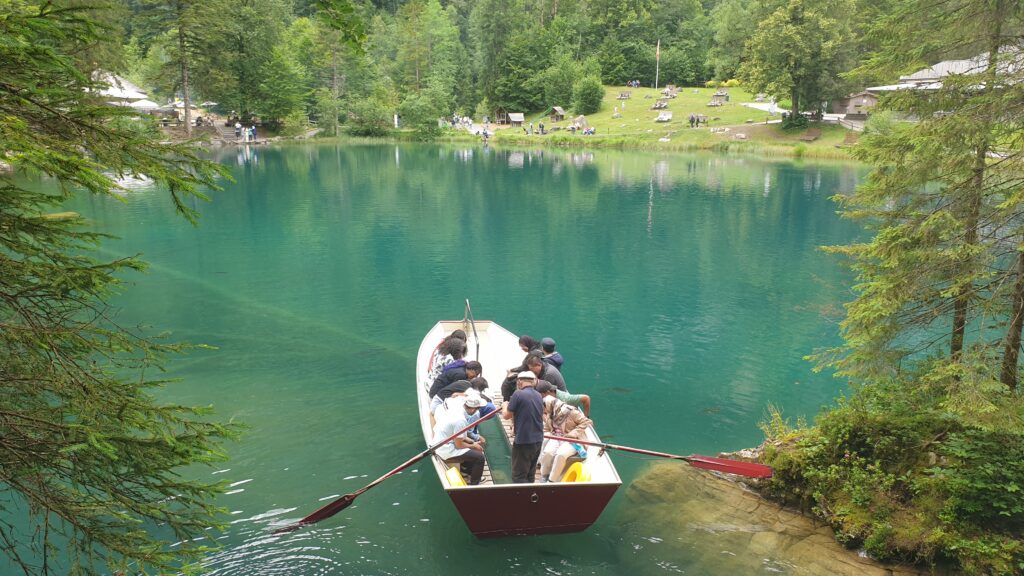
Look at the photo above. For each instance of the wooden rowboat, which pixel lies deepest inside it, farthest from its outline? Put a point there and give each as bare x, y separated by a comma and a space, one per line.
494, 508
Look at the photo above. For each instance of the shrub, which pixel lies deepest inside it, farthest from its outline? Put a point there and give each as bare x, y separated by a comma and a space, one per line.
734, 82
368, 118
984, 478
794, 121
711, 83
294, 124
893, 472
587, 95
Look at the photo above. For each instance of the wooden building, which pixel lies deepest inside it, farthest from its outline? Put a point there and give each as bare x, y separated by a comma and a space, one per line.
855, 104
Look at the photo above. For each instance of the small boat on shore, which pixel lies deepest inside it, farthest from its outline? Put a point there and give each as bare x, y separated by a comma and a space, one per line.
493, 508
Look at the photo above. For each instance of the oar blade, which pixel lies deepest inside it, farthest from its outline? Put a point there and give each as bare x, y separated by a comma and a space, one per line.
329, 510
748, 469
320, 514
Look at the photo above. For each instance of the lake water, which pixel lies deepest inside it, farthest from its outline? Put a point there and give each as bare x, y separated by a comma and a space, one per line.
683, 291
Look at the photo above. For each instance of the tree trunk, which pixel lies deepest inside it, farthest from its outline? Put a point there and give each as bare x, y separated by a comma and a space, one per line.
335, 95
183, 57
976, 192
1011, 350
956, 342
794, 95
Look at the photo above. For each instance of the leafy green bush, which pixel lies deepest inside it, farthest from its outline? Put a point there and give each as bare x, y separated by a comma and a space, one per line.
732, 83
711, 84
794, 121
895, 473
587, 95
984, 476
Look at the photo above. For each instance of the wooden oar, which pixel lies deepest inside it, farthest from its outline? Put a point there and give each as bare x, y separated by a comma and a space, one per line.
346, 500
748, 469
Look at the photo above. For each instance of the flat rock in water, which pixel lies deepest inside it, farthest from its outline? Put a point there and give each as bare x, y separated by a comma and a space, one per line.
705, 521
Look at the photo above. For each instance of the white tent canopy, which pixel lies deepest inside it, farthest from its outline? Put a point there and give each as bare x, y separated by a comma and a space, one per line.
145, 105
120, 89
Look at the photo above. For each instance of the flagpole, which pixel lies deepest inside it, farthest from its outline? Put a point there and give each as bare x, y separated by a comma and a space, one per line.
657, 64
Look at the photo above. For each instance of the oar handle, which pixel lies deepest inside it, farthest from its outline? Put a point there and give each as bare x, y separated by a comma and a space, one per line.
750, 469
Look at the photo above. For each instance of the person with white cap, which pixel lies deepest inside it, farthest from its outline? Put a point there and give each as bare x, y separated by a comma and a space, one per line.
463, 449
525, 409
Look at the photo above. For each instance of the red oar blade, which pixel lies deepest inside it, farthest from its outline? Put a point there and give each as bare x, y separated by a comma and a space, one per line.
748, 469
322, 513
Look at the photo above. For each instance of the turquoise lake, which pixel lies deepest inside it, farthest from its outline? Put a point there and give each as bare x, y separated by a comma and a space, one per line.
683, 291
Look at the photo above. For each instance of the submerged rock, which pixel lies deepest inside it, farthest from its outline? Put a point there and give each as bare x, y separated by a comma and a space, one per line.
703, 523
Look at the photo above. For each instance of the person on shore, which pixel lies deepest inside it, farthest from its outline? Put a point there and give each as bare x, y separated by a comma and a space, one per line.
560, 419
526, 410
547, 345
238, 129
462, 450
252, 132
545, 371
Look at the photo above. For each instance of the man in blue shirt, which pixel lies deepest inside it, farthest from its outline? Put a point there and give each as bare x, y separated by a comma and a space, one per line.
526, 410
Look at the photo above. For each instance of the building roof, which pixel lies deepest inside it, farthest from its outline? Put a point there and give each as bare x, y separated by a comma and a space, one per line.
515, 117
119, 88
945, 68
907, 86
558, 110
1009, 62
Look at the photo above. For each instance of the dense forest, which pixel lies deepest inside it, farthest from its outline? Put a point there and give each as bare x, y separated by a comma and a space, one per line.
286, 60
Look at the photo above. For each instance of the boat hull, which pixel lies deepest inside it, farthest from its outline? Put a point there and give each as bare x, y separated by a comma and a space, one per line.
524, 509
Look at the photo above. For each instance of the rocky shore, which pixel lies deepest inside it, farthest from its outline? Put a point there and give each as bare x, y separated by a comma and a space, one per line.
717, 521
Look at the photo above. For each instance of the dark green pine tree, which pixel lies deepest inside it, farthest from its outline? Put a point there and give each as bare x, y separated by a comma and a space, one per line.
941, 285
89, 460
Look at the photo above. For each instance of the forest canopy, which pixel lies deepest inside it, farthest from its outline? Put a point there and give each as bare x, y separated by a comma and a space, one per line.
343, 61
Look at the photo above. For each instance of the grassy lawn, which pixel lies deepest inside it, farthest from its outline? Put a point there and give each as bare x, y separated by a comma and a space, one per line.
637, 128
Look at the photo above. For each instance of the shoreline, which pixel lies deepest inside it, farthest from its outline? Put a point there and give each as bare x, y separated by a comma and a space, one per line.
758, 149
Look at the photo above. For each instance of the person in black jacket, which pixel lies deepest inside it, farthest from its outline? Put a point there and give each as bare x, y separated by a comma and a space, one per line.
545, 371
456, 372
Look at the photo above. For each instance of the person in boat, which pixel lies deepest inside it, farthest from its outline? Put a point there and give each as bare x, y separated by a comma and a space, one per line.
526, 410
458, 370
560, 419
530, 346
460, 388
535, 363
480, 384
462, 450
581, 401
452, 348
547, 346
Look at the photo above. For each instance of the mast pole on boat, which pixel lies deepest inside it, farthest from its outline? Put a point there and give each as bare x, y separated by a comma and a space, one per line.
469, 316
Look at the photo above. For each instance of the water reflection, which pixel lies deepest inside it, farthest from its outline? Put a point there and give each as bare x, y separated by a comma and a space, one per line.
673, 278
